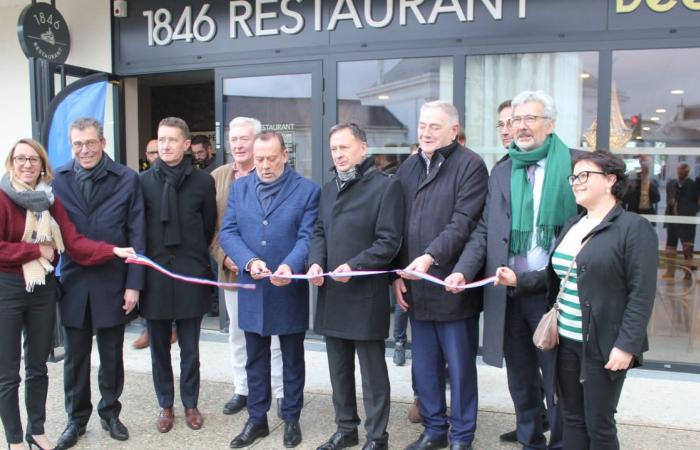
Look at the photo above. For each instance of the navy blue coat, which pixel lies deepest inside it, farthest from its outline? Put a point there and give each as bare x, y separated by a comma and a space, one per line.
115, 215
280, 236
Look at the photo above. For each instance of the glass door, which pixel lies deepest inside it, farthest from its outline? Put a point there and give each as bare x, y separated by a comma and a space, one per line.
284, 97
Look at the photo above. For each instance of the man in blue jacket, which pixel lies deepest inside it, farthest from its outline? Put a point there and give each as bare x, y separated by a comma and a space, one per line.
266, 232
105, 202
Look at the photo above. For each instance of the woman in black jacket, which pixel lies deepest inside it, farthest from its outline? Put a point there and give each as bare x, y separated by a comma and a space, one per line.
604, 308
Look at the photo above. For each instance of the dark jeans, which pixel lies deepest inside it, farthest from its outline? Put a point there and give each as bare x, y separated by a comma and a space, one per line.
530, 372
36, 313
188, 338
76, 370
453, 343
258, 370
588, 408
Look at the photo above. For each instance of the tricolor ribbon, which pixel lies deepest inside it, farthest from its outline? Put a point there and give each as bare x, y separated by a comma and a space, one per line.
144, 261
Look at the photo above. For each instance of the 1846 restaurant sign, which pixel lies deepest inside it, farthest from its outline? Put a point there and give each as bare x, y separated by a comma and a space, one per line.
43, 33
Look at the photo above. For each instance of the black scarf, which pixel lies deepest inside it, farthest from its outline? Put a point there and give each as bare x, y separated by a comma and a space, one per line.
268, 191
86, 177
172, 177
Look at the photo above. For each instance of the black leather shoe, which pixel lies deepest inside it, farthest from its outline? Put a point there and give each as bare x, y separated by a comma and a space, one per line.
292, 434
237, 403
116, 428
511, 436
279, 407
70, 436
340, 440
460, 446
375, 445
425, 443
250, 434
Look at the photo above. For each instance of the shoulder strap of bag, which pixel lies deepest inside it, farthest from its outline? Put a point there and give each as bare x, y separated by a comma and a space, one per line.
568, 271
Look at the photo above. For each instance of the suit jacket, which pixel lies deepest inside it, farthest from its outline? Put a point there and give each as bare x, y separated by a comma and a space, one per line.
114, 214
279, 236
488, 247
165, 298
360, 224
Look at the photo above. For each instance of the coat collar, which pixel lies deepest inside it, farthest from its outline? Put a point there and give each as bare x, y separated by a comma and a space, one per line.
607, 221
290, 185
100, 191
439, 158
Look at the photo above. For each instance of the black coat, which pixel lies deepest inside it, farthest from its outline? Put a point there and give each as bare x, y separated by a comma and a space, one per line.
360, 225
616, 276
442, 209
115, 214
488, 247
165, 298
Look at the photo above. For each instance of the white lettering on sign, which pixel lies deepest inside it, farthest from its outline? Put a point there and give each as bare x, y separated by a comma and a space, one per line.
660, 6
255, 18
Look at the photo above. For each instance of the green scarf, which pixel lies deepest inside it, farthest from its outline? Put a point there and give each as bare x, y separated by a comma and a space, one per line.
557, 203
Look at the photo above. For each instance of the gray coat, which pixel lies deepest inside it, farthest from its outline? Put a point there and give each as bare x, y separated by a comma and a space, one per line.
489, 244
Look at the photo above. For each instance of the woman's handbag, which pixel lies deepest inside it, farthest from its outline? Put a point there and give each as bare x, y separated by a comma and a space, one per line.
546, 335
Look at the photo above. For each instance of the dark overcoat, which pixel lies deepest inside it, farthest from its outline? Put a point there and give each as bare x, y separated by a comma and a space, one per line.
489, 247
442, 209
165, 298
114, 214
359, 224
279, 236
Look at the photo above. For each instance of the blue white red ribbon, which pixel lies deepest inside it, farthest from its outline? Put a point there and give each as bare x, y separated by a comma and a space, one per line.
144, 261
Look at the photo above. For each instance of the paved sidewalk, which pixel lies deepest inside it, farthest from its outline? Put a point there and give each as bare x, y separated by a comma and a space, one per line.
657, 410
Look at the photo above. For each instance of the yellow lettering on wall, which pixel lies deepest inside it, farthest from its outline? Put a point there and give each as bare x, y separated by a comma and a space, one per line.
661, 5
693, 5
622, 7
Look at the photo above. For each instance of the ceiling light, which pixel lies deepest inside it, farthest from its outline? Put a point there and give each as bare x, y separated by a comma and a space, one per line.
585, 75
383, 97
678, 92
646, 128
654, 118
660, 110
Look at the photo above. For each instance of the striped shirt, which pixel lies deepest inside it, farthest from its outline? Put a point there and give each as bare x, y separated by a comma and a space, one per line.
570, 324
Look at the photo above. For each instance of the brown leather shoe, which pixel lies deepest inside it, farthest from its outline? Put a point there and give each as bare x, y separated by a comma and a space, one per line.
414, 413
193, 418
164, 422
142, 341
173, 337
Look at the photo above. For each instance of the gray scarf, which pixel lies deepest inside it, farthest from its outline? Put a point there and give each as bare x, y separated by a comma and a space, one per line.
86, 177
268, 191
37, 200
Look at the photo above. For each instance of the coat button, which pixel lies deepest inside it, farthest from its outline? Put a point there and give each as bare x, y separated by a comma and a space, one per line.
505, 240
265, 222
263, 243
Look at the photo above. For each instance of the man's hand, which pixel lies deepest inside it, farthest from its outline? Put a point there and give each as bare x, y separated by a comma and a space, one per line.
340, 269
230, 265
506, 277
258, 269
315, 271
619, 360
420, 264
131, 299
399, 289
454, 280
283, 269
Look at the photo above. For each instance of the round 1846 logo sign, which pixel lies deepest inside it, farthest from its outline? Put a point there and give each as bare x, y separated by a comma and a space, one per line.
43, 33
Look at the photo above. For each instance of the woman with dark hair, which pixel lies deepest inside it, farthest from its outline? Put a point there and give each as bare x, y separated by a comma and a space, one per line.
607, 259
34, 229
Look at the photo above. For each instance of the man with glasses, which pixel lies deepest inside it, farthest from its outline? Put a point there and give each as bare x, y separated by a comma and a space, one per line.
529, 200
105, 202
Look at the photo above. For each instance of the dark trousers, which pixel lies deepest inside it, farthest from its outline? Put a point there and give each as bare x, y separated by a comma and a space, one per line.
36, 313
76, 370
400, 320
453, 343
376, 392
258, 370
530, 371
588, 408
163, 381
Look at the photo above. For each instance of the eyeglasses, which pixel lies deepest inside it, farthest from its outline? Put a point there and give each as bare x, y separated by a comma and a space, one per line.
89, 144
529, 120
502, 125
22, 160
152, 153
582, 177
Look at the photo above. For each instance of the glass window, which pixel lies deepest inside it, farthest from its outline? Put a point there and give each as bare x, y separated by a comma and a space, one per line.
655, 116
570, 78
282, 103
384, 97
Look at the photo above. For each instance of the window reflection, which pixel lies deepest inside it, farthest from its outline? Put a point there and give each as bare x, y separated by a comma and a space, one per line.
659, 104
384, 97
